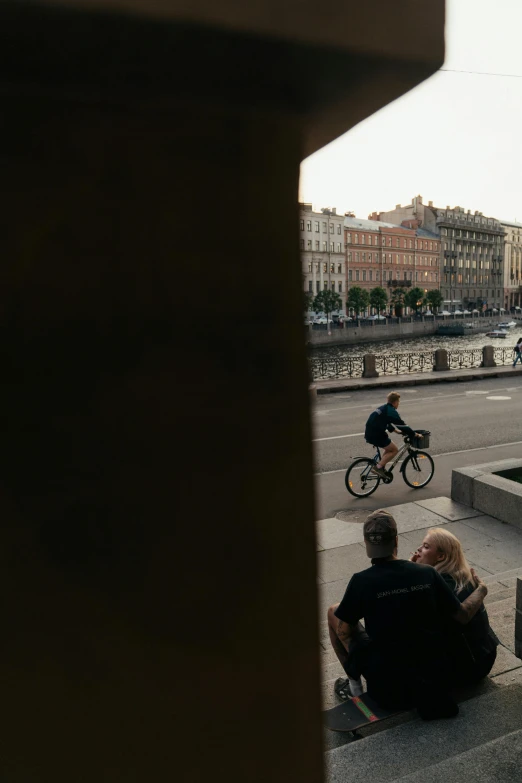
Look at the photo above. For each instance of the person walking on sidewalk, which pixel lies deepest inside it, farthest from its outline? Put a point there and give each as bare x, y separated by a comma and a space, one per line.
518, 351
384, 419
401, 651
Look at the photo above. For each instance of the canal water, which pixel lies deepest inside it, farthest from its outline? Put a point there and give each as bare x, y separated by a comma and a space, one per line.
415, 344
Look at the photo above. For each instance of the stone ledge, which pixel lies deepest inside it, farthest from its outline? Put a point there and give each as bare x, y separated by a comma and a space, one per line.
480, 487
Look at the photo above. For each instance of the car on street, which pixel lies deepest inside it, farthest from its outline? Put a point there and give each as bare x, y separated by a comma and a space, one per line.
445, 312
376, 318
320, 320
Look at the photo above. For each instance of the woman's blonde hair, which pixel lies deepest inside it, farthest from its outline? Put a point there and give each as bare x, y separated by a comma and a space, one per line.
454, 562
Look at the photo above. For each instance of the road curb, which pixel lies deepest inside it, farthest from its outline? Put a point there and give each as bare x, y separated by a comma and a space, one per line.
417, 380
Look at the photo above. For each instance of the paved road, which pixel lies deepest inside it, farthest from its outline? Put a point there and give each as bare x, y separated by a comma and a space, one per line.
468, 426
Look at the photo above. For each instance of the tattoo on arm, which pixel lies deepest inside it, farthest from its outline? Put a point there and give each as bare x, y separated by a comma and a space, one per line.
470, 607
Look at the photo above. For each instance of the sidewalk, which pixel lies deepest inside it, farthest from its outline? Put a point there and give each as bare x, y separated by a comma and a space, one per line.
414, 379
493, 548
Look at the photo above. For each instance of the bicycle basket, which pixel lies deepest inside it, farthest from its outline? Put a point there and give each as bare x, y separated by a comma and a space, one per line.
422, 442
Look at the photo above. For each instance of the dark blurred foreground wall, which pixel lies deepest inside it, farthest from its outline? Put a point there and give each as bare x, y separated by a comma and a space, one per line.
157, 550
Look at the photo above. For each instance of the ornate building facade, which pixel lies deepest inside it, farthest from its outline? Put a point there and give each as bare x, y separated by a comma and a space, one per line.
512, 264
472, 268
321, 241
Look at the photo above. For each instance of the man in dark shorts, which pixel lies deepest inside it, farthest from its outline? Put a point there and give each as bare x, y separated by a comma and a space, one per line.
401, 650
384, 419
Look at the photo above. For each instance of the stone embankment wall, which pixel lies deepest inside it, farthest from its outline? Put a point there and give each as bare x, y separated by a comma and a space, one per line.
371, 332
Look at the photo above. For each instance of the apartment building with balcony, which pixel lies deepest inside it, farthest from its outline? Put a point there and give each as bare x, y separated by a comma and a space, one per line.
512, 264
390, 255
321, 242
472, 267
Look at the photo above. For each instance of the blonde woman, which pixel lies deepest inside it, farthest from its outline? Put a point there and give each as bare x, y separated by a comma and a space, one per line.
472, 648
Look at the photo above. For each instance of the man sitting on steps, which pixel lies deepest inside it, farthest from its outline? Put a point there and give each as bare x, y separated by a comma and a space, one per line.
384, 419
401, 650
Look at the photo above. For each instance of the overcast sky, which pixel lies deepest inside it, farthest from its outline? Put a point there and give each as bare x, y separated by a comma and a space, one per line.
456, 139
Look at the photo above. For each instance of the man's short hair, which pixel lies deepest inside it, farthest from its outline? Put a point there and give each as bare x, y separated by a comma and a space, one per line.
380, 533
393, 397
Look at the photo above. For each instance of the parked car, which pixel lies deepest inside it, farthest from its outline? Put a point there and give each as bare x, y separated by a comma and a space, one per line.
320, 320
376, 318
445, 312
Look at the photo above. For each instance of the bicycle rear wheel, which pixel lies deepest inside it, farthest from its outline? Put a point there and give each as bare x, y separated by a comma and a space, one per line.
359, 479
418, 469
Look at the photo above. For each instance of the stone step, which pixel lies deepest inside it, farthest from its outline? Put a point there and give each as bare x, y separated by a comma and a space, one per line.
498, 760
415, 745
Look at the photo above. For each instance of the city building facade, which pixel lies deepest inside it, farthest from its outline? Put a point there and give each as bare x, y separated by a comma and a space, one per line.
321, 242
472, 267
512, 264
390, 255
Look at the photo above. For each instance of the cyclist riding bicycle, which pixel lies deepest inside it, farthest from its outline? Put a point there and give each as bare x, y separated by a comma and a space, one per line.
385, 419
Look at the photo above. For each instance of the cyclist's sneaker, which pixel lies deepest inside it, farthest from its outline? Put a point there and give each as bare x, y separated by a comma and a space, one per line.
380, 471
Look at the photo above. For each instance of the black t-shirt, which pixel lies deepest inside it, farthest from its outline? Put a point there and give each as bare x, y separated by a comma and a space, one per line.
474, 641
404, 605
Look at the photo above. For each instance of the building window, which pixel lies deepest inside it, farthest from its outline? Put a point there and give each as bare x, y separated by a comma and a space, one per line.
324, 226
339, 269
397, 242
310, 269
370, 257
325, 269
349, 258
308, 225
377, 275
389, 241
363, 257
356, 239
384, 240
326, 285
309, 244
331, 228
317, 268
325, 246
301, 225
331, 247
333, 286
404, 245
338, 228
317, 284
362, 239
384, 276
340, 287
350, 275
364, 275
370, 275
339, 248
357, 275
301, 244
396, 258
310, 286
317, 245
316, 226
348, 238
357, 258
332, 267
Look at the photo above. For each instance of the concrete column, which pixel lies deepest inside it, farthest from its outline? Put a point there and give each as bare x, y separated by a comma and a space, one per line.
488, 356
369, 370
518, 620
441, 360
157, 545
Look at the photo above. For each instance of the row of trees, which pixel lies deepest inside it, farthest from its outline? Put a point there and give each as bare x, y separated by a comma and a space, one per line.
359, 299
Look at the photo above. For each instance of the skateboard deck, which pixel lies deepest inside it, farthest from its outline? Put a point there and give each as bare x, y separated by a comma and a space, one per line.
355, 713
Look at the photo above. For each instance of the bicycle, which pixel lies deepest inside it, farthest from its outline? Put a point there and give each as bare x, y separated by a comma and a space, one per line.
417, 469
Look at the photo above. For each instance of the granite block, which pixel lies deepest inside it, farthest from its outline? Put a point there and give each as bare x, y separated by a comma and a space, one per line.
494, 528
405, 749
496, 556
411, 516
342, 563
500, 497
333, 532
449, 509
462, 485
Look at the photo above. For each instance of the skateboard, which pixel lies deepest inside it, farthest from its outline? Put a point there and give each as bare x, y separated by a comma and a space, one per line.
355, 713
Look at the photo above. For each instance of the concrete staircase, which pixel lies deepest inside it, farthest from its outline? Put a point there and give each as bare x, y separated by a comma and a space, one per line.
482, 744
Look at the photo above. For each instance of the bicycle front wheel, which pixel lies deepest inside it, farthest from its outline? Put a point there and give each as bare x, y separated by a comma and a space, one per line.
418, 469
359, 479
